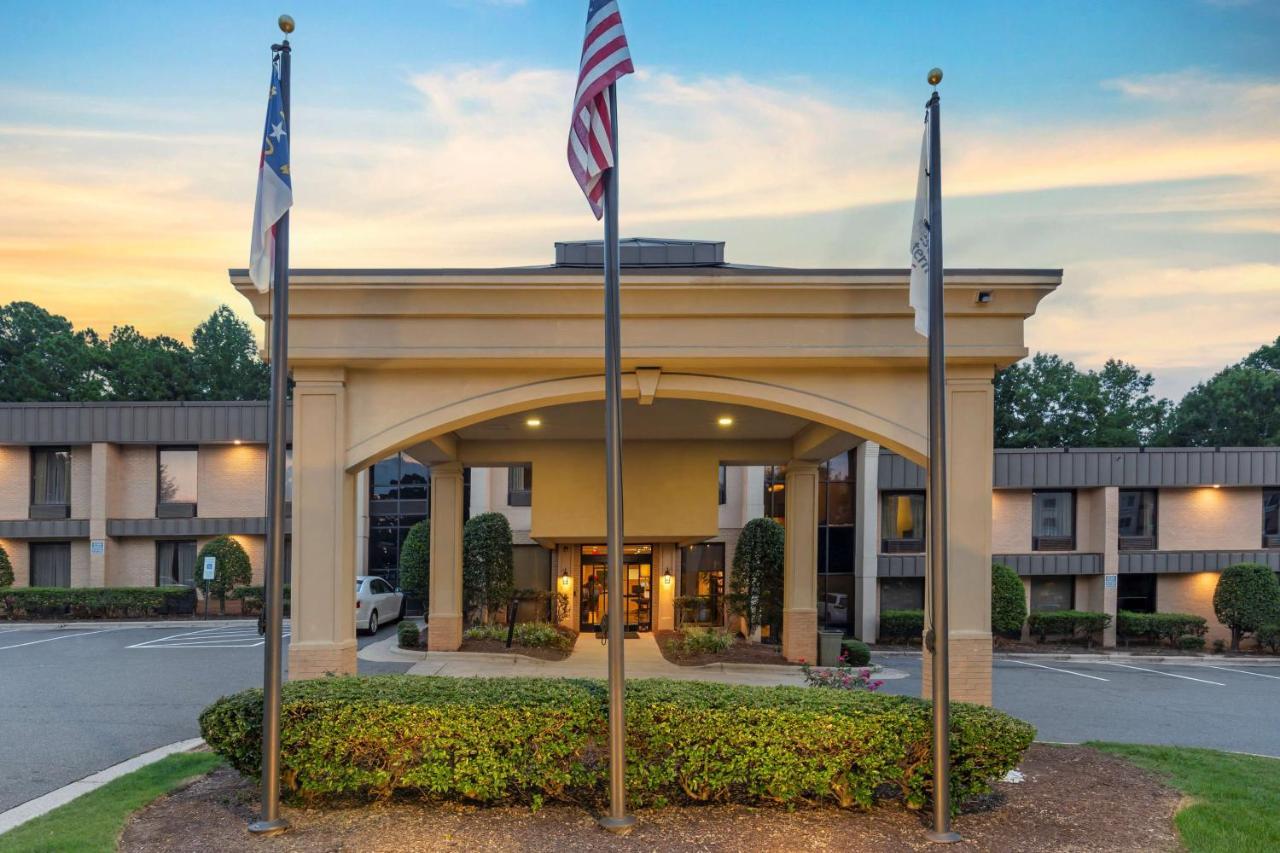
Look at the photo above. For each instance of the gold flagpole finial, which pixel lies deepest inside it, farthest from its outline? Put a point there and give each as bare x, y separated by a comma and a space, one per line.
286, 25
935, 76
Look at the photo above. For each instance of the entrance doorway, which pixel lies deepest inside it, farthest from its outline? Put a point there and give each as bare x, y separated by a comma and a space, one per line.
637, 587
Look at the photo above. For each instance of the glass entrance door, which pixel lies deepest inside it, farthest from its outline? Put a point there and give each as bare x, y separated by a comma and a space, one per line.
637, 587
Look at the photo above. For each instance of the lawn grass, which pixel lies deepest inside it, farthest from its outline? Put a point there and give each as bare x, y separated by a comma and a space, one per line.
93, 822
1234, 799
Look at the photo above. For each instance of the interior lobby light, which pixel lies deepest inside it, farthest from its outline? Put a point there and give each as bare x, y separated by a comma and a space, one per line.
724, 421
534, 421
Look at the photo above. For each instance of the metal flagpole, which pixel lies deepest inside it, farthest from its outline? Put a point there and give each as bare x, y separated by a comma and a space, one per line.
270, 822
939, 632
618, 821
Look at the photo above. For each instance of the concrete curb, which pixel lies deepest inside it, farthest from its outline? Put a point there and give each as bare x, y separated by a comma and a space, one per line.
1239, 660
42, 805
87, 624
389, 651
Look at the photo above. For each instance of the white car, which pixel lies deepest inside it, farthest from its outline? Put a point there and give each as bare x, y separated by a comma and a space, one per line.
376, 603
835, 607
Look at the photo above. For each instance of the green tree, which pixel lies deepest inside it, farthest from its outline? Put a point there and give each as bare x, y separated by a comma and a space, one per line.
225, 360
1246, 598
415, 563
6, 569
1237, 407
1047, 402
43, 359
1008, 601
487, 565
755, 585
233, 568
136, 367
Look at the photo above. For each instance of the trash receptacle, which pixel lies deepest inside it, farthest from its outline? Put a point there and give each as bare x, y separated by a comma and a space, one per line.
829, 647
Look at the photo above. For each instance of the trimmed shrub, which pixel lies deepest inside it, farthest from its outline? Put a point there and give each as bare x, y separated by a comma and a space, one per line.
415, 564
1159, 627
755, 585
856, 652
6, 569
901, 624
251, 599
702, 641
1190, 642
1008, 601
1268, 636
530, 740
121, 602
531, 634
232, 569
408, 635
1246, 598
1071, 624
487, 569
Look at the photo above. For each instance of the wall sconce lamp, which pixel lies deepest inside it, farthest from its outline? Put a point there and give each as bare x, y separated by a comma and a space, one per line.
565, 581
666, 577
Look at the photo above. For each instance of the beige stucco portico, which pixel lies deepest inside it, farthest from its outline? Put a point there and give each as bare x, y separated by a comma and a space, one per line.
449, 365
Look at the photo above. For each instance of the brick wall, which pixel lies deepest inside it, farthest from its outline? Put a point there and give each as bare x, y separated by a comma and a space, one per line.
132, 562
133, 491
232, 480
15, 482
81, 471
1208, 519
1191, 593
19, 555
1010, 522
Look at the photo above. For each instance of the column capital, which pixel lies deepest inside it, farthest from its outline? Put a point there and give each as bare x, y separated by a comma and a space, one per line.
441, 470
802, 465
319, 376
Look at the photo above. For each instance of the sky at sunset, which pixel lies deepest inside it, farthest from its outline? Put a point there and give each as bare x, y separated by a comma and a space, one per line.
1135, 145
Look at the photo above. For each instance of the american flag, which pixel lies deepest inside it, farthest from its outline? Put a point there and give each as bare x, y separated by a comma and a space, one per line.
605, 58
275, 187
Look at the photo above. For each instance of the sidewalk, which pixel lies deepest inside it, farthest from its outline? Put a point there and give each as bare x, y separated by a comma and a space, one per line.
589, 660
1085, 657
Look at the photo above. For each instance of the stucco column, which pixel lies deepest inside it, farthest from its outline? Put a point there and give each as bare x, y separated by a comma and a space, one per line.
970, 400
102, 464
444, 622
362, 522
323, 606
866, 564
1110, 559
800, 569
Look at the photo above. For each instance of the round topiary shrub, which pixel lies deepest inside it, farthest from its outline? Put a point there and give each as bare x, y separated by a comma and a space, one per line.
755, 585
6, 569
233, 568
415, 563
488, 571
856, 652
1008, 601
1246, 598
408, 635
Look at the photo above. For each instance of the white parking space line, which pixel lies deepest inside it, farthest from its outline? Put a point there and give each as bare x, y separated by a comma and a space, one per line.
218, 637
63, 637
1170, 674
1066, 671
1243, 671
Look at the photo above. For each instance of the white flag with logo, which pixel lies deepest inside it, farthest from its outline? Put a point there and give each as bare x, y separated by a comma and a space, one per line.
918, 296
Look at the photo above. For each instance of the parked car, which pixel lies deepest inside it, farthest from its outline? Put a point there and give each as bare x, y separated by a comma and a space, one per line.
834, 608
376, 603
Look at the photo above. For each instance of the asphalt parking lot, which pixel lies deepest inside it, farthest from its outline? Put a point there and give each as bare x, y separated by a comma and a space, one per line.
77, 700
1220, 706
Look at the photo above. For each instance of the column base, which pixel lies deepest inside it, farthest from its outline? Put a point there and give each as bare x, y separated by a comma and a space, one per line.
970, 669
317, 660
800, 635
444, 633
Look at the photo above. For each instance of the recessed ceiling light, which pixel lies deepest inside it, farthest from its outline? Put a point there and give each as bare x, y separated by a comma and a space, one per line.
237, 441
533, 422
725, 420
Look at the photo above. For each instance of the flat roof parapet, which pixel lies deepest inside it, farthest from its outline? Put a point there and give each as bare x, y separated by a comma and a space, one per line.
643, 252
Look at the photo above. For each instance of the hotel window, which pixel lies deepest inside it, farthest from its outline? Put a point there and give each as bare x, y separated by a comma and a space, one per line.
1053, 524
1053, 593
176, 482
723, 486
288, 475
1271, 518
50, 482
835, 541
1136, 593
176, 562
399, 492
901, 594
520, 485
1137, 521
702, 583
50, 564
902, 522
775, 493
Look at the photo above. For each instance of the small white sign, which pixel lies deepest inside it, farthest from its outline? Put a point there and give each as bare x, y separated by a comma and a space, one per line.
210, 567
97, 546
1111, 581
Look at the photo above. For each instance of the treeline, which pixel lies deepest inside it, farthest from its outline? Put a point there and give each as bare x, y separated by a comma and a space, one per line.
44, 359
1046, 401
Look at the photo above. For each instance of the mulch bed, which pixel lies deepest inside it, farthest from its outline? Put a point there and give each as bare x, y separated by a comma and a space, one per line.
740, 652
1073, 799
499, 647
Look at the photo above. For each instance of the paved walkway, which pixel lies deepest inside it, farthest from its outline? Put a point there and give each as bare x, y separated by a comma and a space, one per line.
589, 660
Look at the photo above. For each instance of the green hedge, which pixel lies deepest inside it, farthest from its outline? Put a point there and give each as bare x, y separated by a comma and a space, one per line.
1072, 624
901, 624
37, 602
408, 636
251, 598
856, 652
1268, 637
533, 739
1159, 627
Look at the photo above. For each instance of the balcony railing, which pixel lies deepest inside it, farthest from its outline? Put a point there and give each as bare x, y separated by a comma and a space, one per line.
1053, 543
1137, 543
901, 546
